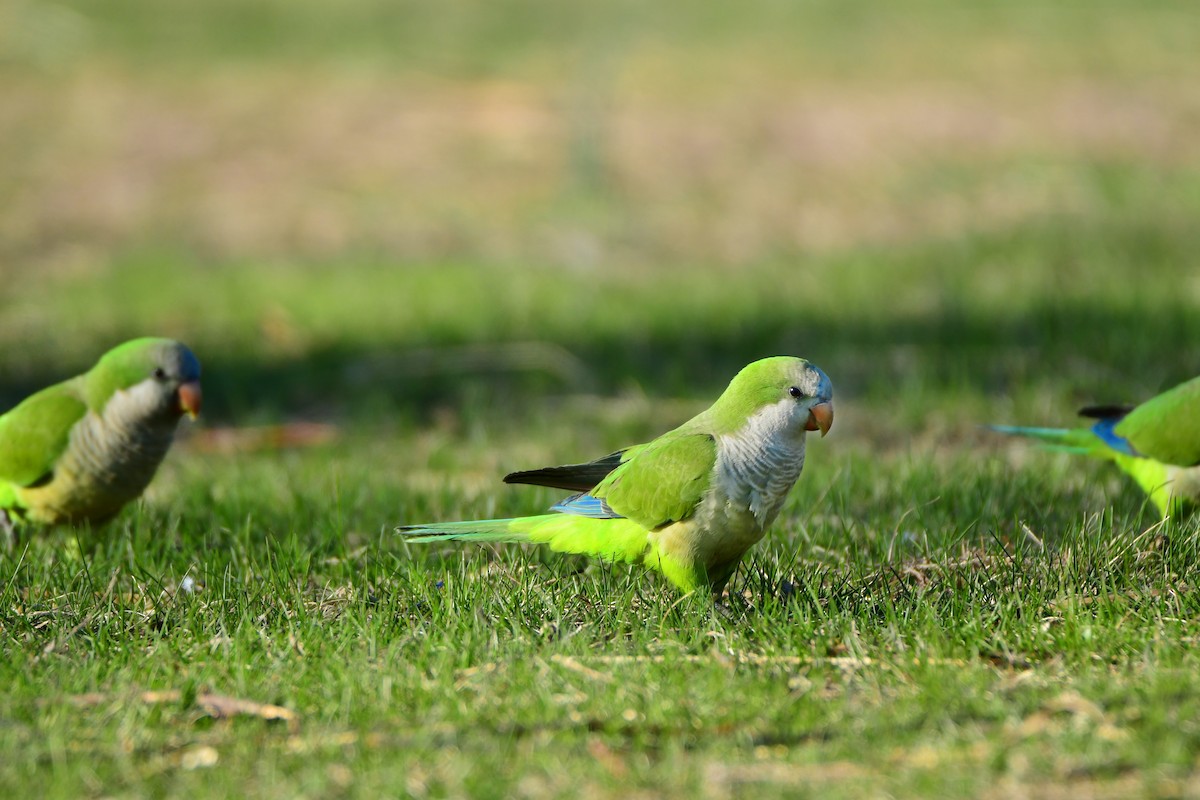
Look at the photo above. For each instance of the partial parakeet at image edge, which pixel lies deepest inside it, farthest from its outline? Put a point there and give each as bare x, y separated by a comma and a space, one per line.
690, 503
79, 450
1157, 443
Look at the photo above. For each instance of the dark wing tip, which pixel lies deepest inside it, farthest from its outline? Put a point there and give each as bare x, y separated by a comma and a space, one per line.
570, 477
555, 478
1105, 411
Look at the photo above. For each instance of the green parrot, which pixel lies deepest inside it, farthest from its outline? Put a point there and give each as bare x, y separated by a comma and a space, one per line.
79, 450
1157, 443
690, 503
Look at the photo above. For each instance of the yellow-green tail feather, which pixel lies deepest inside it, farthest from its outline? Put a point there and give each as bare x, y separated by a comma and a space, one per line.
1068, 440
610, 539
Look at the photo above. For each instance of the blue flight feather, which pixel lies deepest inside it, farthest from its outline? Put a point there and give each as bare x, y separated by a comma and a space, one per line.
584, 505
1104, 429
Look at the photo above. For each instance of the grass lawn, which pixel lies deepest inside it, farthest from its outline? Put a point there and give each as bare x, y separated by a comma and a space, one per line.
415, 251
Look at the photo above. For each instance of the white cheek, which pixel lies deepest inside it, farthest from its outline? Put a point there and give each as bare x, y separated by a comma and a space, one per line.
776, 419
139, 400
143, 394
796, 418
798, 423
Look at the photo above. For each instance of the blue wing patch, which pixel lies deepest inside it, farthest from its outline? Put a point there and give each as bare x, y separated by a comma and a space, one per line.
584, 505
1104, 429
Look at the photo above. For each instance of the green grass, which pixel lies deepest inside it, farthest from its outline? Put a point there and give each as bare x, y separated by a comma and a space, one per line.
897, 632
924, 645
493, 238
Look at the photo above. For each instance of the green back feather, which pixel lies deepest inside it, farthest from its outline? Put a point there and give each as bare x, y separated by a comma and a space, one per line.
1167, 427
664, 481
34, 434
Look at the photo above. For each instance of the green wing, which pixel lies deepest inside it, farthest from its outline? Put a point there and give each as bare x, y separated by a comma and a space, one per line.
1166, 428
662, 481
34, 434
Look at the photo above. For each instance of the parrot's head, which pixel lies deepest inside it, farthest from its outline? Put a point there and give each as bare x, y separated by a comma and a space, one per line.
152, 379
785, 394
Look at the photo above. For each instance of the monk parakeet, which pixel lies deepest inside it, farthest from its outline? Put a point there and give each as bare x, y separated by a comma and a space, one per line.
80, 450
690, 503
1157, 443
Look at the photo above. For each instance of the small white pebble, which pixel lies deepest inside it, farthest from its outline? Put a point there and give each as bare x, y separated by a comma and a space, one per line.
200, 757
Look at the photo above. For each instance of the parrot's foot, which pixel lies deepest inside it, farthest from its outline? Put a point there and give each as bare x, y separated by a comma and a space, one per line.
731, 606
727, 612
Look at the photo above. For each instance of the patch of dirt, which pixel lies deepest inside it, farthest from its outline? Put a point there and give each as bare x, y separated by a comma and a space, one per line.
278, 165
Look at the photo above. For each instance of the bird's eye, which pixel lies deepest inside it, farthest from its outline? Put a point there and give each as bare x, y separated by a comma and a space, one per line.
159, 373
795, 392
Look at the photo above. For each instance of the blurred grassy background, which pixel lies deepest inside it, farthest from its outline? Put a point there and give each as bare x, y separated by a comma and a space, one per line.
917, 197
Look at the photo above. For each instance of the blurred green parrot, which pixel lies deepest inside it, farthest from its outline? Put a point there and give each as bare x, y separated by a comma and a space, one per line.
1157, 443
79, 450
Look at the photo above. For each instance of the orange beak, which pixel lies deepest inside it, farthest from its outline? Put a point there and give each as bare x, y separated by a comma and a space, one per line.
820, 418
189, 398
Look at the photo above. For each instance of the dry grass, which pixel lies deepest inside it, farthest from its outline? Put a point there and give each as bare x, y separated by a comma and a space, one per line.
272, 164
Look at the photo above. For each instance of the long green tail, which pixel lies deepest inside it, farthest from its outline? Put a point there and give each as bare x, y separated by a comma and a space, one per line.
1066, 440
1152, 476
610, 539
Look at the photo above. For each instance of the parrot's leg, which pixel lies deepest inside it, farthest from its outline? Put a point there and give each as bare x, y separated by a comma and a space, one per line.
732, 606
786, 590
8, 533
